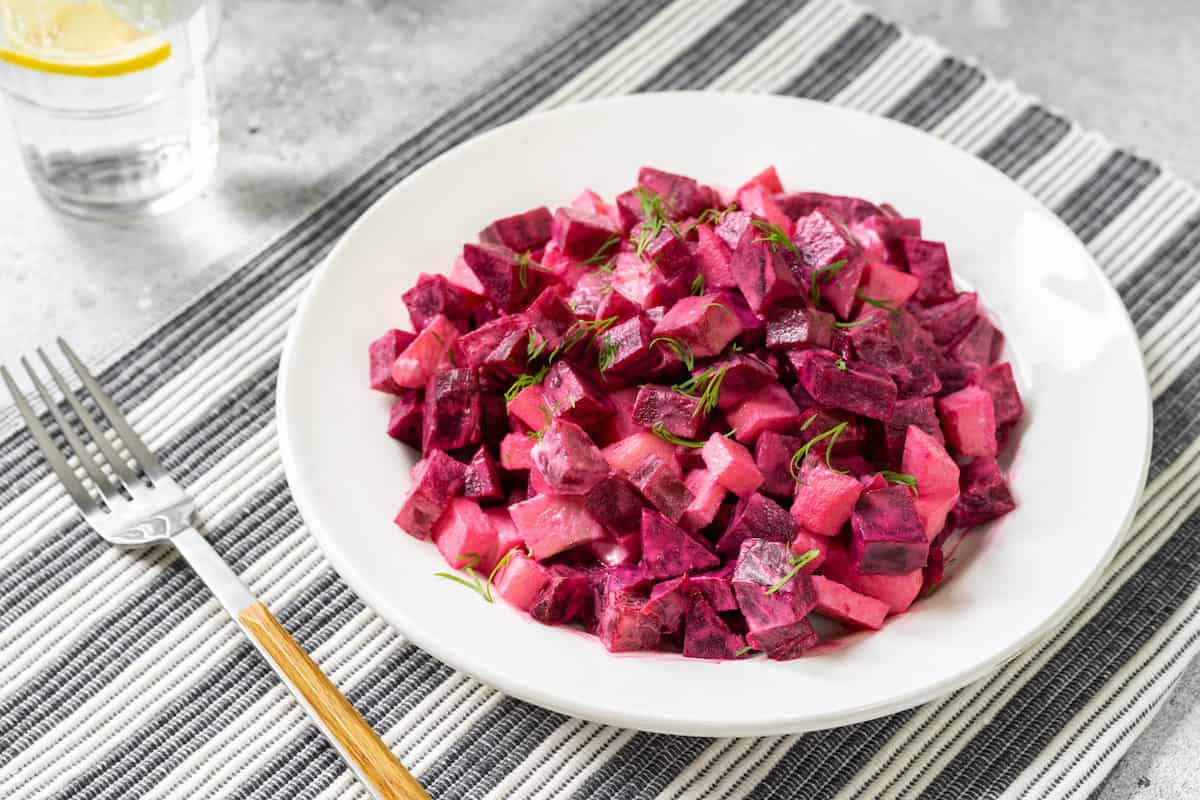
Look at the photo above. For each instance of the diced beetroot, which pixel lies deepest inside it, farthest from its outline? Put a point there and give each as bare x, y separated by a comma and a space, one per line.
773, 454
734, 227
882, 237
482, 480
998, 381
846, 210
507, 535
668, 603
717, 587
516, 451
659, 482
707, 496
404, 418
676, 412
974, 346
520, 232
642, 285
384, 351
704, 323
805, 542
593, 203
629, 453
579, 234
761, 203
436, 478
681, 195
590, 292
668, 550
551, 316
887, 537
622, 624
762, 275
874, 341
628, 343
881, 282
522, 580
462, 276
574, 396
669, 254
452, 417
969, 422
616, 551
928, 262
935, 569
767, 179
712, 257
615, 304
985, 494
792, 326
771, 410
824, 498
494, 343
918, 411
433, 295
777, 619
842, 603
464, 536
426, 354
620, 424
858, 388
550, 524
567, 459
531, 407
745, 377
852, 438
566, 597
732, 465
706, 635
757, 517
615, 505
947, 321
824, 241
953, 376
896, 591
505, 282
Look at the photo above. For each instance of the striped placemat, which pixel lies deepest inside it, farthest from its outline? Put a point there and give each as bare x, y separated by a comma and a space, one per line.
121, 677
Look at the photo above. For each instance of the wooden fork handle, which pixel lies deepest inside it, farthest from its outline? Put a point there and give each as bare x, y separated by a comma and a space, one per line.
361, 746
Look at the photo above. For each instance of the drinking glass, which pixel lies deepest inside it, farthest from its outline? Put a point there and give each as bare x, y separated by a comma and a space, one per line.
110, 102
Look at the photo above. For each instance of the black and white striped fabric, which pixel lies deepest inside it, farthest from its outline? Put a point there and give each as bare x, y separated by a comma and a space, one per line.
121, 677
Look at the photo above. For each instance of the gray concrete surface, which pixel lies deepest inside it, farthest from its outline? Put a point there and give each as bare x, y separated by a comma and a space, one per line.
376, 70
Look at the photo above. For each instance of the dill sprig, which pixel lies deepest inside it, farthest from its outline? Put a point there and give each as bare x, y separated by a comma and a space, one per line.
824, 275
798, 563
608, 353
655, 217
538, 434
523, 381
743, 651
660, 430
581, 329
881, 304
481, 587
601, 255
854, 323
840, 364
523, 260
798, 457
680, 348
902, 478
714, 216
537, 344
698, 284
809, 421
774, 235
706, 387
449, 353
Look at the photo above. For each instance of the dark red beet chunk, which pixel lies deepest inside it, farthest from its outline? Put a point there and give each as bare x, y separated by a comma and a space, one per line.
574, 396
846, 210
499, 344
436, 479
985, 494
858, 388
887, 537
744, 375
659, 484
775, 606
383, 354
615, 505
580, 234
567, 597
669, 254
773, 454
435, 295
682, 196
974, 346
482, 479
520, 232
669, 551
733, 227
451, 410
498, 270
919, 411
757, 517
762, 275
676, 412
882, 237
551, 316
791, 327
947, 321
998, 381
929, 262
706, 634
628, 347
404, 419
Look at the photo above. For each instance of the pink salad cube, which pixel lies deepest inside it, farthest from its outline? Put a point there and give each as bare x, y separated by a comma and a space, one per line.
968, 418
732, 465
550, 524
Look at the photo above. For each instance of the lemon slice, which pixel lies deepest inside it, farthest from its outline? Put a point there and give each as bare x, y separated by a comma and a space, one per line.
87, 38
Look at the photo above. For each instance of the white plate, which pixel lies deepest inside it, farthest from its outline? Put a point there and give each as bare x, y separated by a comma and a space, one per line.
1080, 467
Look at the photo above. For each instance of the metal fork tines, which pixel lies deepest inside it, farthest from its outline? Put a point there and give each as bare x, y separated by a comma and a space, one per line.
126, 496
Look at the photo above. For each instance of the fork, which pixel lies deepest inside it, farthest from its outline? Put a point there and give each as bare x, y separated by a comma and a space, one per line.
141, 504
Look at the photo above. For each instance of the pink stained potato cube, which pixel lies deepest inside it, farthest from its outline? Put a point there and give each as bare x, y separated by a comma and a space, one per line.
773, 455
772, 409
530, 406
757, 517
405, 418
732, 465
659, 482
734, 227
767, 179
928, 262
622, 624
998, 381
805, 542
840, 602
777, 620
937, 479
579, 234
507, 535
968, 419
896, 591
707, 496
425, 354
462, 276
824, 499
593, 203
760, 202
629, 453
567, 459
522, 580
644, 286
383, 353
522, 232
882, 237
674, 411
464, 536
669, 551
881, 282
436, 479
919, 411
516, 451
704, 323
550, 524
706, 635
713, 257
836, 383
886, 535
